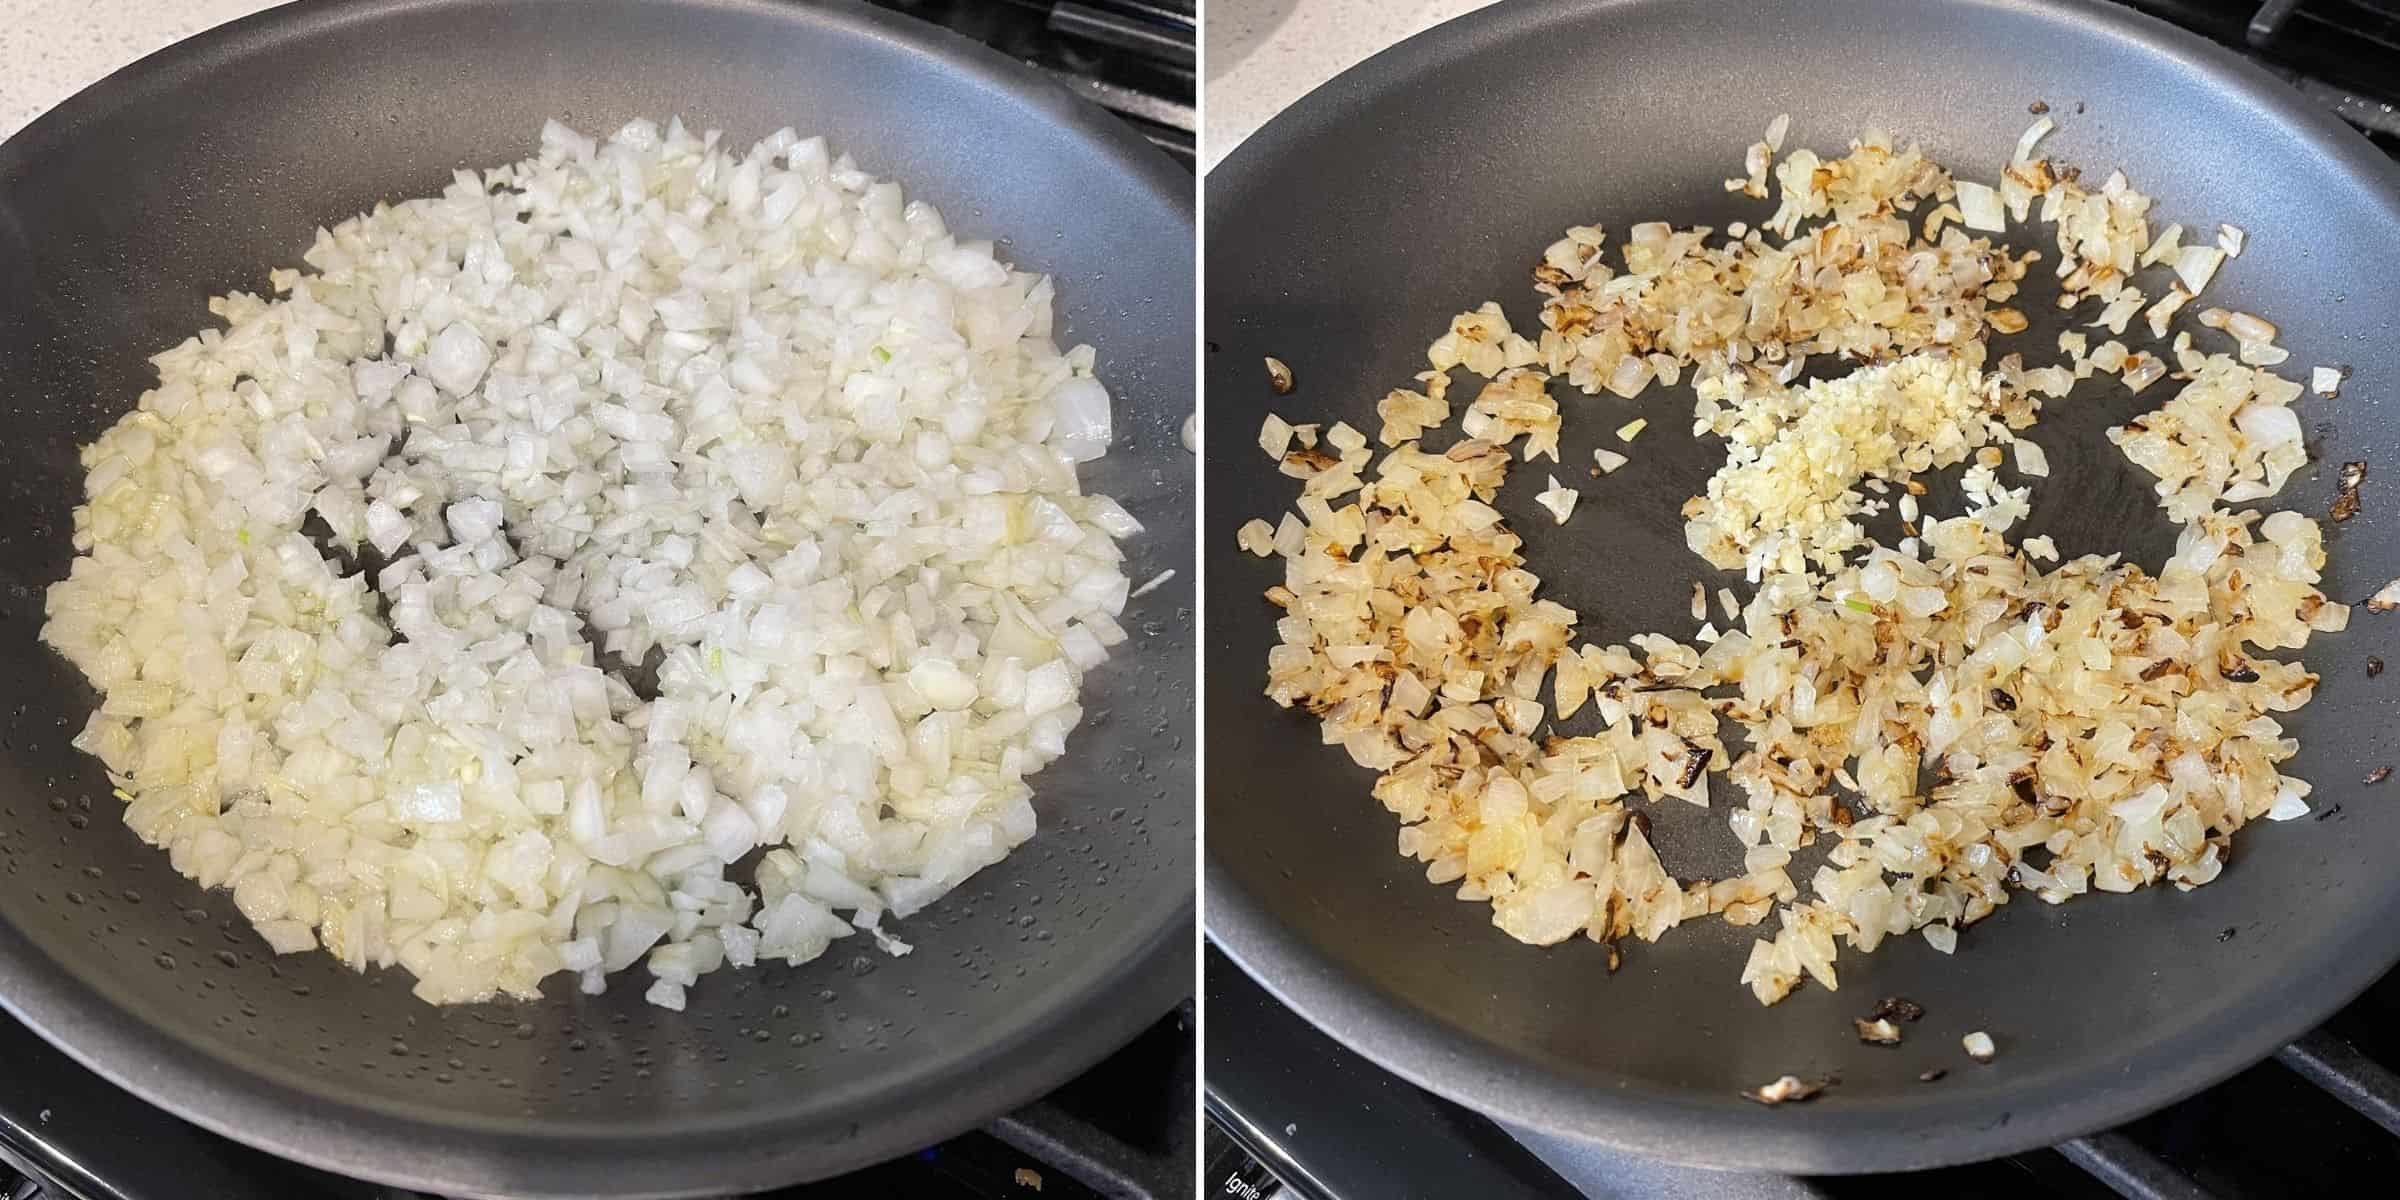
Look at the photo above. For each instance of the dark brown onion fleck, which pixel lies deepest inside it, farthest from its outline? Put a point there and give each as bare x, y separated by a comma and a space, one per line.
2345, 503
1898, 1008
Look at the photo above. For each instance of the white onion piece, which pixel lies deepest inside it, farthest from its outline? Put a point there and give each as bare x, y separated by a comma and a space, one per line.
2269, 425
1980, 209
2288, 806
2164, 247
1083, 428
457, 358
2026, 141
1559, 499
2249, 327
2196, 265
1275, 436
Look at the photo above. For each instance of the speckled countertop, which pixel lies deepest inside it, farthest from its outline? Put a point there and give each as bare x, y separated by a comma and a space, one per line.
1264, 54
51, 49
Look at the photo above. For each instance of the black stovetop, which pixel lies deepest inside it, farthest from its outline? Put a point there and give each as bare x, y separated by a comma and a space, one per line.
1121, 1130
1293, 1114
1288, 1107
1135, 58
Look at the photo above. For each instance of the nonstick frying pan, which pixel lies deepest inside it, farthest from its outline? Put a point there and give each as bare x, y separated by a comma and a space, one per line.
1343, 236
196, 170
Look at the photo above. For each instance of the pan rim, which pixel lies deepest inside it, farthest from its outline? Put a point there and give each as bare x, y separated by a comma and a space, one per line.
1658, 1124
1147, 974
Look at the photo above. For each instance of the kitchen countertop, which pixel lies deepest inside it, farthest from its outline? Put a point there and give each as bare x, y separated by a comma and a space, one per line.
1265, 54
52, 49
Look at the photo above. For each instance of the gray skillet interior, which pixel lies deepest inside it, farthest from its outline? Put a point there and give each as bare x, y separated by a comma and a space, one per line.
1343, 236
194, 172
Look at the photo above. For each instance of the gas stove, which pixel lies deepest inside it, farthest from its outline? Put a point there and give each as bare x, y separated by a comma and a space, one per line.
1121, 1131
1135, 58
1295, 1116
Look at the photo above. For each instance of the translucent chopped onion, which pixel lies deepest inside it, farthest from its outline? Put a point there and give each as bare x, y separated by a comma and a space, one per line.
2112, 722
2196, 265
2032, 136
1275, 437
1980, 209
1083, 428
750, 416
1559, 499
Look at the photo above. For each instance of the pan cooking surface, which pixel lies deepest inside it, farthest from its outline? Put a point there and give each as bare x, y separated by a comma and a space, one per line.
1343, 237
193, 173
